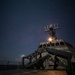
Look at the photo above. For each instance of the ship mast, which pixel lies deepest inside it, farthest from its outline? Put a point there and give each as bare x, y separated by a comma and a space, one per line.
51, 29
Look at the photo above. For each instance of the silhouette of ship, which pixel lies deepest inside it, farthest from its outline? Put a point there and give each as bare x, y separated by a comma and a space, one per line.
53, 54
56, 56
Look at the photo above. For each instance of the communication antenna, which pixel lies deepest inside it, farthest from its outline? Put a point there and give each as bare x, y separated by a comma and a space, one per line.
51, 29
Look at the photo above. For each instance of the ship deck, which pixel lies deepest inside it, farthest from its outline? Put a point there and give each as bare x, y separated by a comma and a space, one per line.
33, 72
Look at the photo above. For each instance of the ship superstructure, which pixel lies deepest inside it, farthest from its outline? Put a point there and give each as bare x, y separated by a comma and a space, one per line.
53, 54
55, 43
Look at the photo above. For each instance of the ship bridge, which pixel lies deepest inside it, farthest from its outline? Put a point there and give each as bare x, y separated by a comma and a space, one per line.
57, 44
53, 54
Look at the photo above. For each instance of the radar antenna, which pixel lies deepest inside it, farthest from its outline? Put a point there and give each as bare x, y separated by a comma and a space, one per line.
51, 29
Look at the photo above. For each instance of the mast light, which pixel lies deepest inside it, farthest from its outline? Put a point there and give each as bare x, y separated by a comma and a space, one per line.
50, 39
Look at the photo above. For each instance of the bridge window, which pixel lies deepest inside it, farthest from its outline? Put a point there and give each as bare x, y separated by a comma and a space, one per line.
61, 43
52, 44
44, 45
57, 43
48, 45
40, 46
69, 45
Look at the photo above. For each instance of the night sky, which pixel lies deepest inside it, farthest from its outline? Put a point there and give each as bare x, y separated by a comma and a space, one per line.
22, 24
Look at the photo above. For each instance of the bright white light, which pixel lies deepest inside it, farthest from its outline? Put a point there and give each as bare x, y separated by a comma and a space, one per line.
23, 55
49, 39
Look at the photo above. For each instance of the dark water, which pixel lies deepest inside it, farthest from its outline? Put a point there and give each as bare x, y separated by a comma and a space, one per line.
8, 67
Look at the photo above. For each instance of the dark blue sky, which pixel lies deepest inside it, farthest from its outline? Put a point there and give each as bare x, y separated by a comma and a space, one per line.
22, 24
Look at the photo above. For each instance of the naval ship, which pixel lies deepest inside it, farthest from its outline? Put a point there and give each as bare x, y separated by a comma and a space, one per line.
53, 57
54, 54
